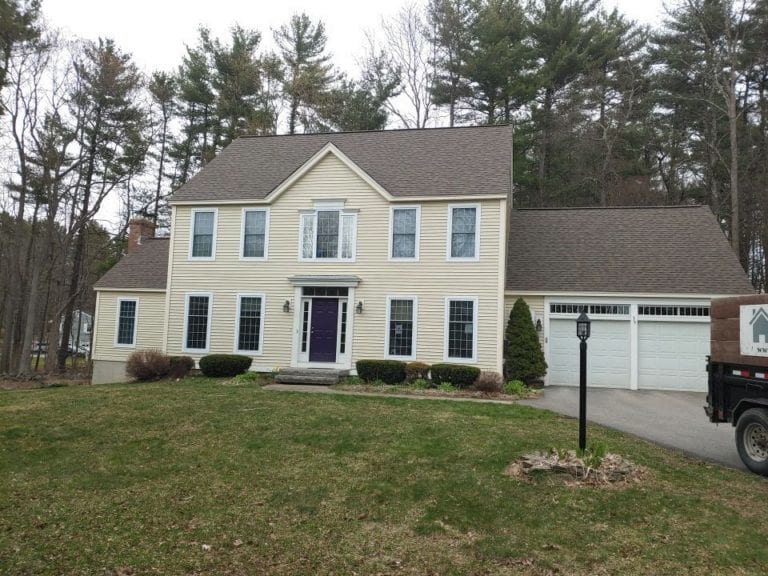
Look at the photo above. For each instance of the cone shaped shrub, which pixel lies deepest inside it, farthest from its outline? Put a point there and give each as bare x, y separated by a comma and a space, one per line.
523, 356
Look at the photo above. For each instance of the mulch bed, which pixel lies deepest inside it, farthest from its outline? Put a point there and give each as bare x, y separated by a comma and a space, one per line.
611, 469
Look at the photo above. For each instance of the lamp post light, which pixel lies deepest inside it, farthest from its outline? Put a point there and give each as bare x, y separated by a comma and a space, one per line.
582, 331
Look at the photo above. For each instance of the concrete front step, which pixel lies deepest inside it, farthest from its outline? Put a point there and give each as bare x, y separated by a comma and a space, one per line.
317, 376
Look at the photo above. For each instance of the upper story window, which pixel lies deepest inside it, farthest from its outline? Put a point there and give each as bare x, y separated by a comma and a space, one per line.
463, 232
328, 234
127, 310
202, 241
254, 234
404, 233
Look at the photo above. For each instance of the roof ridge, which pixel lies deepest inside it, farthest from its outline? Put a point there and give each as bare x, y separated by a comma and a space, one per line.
574, 208
432, 128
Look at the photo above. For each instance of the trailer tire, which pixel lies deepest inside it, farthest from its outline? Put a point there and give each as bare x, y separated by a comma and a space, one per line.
752, 440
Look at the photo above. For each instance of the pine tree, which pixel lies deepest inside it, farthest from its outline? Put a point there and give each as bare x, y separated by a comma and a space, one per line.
308, 72
523, 356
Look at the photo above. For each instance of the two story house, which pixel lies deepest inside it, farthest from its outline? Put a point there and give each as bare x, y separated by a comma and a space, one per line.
316, 250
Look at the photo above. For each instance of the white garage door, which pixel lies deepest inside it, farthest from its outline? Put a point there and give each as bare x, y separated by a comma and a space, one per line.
608, 360
672, 355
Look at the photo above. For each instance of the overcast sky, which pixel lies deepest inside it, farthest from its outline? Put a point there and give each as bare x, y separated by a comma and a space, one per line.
155, 31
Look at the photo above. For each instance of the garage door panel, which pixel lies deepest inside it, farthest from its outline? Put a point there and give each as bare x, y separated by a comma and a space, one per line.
672, 355
608, 360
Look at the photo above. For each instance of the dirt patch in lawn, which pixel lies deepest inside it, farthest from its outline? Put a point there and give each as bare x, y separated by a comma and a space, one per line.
8, 382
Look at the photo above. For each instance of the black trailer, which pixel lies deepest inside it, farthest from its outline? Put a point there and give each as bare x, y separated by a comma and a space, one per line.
738, 393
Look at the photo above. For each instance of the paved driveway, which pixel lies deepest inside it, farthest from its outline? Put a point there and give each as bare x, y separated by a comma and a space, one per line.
672, 419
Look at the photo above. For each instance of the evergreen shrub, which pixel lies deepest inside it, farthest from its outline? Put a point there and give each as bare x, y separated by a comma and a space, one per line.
523, 356
458, 375
388, 371
224, 364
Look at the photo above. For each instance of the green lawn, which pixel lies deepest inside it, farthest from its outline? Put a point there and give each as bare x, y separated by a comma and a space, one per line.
206, 477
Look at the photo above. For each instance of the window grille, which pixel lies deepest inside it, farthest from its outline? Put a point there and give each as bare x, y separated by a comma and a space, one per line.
400, 327
461, 316
197, 323
126, 323
249, 334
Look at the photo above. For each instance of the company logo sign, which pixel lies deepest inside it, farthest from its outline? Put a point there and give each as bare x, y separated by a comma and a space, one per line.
754, 330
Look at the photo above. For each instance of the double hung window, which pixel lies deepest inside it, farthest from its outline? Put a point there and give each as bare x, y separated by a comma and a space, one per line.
254, 235
401, 327
203, 237
404, 227
463, 232
250, 323
197, 323
127, 313
461, 329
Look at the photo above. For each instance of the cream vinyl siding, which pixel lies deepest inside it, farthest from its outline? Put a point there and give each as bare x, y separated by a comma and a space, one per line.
149, 323
535, 303
430, 279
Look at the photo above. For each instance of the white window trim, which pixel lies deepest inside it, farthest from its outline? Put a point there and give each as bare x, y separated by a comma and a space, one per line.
448, 256
475, 334
342, 212
135, 323
238, 299
184, 348
192, 234
266, 235
415, 301
415, 257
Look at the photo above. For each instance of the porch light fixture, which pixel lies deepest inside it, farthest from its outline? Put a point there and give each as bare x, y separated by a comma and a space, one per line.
287, 306
539, 327
359, 307
583, 331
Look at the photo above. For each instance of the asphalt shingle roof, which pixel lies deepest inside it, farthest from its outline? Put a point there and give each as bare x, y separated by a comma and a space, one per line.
472, 161
671, 250
145, 267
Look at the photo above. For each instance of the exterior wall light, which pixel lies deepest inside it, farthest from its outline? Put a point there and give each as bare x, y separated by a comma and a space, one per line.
359, 307
287, 306
539, 327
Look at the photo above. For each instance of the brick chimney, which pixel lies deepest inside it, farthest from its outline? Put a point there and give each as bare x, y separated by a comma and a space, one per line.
139, 229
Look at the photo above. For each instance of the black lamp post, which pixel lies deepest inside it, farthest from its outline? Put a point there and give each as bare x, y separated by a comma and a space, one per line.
582, 331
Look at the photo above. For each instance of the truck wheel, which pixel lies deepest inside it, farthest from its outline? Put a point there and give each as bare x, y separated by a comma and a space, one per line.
752, 440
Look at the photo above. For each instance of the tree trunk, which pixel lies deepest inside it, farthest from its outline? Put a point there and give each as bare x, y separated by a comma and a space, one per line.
734, 169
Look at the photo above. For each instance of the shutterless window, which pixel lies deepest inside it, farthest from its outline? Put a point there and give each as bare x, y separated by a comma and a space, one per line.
197, 323
461, 328
126, 322
254, 233
463, 232
404, 232
328, 234
202, 234
249, 324
400, 327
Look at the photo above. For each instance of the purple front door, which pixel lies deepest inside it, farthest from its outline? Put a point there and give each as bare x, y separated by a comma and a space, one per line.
322, 336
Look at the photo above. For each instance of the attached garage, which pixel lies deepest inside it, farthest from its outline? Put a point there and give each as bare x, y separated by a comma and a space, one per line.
646, 277
640, 344
609, 353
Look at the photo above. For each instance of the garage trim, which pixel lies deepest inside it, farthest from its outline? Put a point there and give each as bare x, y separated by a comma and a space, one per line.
606, 308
